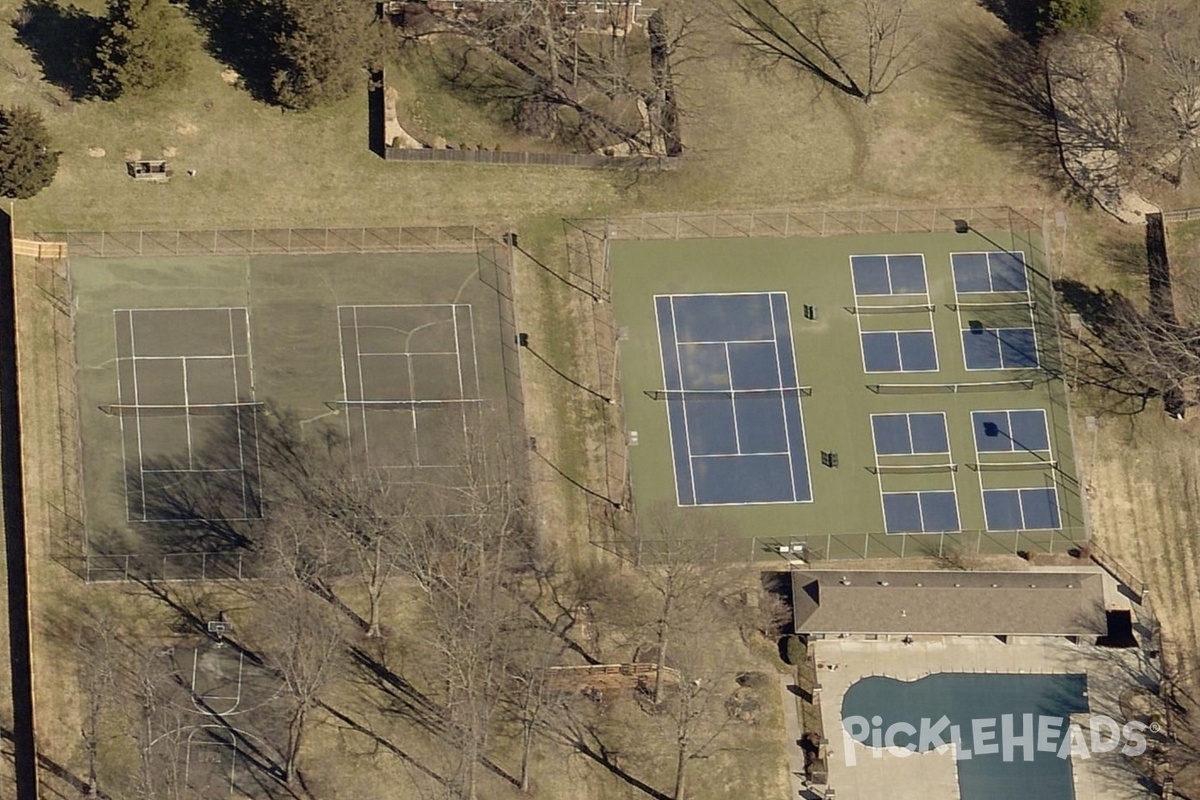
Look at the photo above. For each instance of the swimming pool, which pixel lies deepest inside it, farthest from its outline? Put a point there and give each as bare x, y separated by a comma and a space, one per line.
971, 702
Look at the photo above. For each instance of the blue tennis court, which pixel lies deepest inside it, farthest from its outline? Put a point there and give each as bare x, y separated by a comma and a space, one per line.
733, 399
1022, 430
920, 512
989, 272
1032, 509
910, 434
999, 348
888, 274
899, 351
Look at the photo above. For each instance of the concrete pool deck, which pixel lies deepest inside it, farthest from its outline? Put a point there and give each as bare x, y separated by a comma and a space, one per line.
933, 776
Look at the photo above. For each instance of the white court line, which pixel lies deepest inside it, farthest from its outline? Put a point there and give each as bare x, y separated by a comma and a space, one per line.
197, 470
662, 360
138, 418
362, 390
474, 351
236, 397
710, 294
787, 312
737, 439
734, 341
787, 429
406, 305
171, 358
254, 417
458, 367
687, 436
345, 387
739, 455
187, 417
477, 390
412, 390
176, 308
121, 425
414, 353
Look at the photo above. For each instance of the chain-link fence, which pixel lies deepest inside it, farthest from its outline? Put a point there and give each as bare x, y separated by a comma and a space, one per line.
267, 241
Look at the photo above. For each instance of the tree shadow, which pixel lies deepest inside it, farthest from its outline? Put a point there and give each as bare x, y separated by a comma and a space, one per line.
1101, 352
1021, 16
1002, 84
63, 41
244, 34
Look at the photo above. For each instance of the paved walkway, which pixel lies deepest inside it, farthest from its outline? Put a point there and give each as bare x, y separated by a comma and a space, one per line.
795, 756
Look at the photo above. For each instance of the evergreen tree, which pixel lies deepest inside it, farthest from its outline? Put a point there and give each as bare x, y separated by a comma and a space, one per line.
27, 164
142, 47
324, 51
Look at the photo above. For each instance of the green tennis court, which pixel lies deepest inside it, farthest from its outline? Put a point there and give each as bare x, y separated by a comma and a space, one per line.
849, 396
400, 356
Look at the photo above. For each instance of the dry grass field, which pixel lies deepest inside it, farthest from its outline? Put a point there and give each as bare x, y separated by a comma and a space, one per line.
755, 140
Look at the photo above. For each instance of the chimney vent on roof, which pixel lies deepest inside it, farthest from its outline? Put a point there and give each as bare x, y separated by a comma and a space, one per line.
1033, 586
883, 583
958, 586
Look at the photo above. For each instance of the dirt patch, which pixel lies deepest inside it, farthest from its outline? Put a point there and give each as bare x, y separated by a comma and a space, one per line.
186, 129
230, 77
96, 152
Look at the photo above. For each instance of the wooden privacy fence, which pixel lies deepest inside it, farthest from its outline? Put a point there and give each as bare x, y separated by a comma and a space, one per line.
1181, 215
40, 249
533, 159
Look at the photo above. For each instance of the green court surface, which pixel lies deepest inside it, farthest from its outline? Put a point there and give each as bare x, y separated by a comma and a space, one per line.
179, 358
719, 424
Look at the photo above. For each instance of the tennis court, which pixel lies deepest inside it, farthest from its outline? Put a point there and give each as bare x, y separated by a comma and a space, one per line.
849, 392
410, 379
733, 399
397, 359
186, 410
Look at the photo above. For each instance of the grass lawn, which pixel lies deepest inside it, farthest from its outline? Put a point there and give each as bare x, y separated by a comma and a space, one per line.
755, 139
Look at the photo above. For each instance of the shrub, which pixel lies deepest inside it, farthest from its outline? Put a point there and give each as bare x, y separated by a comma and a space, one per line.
143, 46
794, 650
323, 51
27, 163
1058, 16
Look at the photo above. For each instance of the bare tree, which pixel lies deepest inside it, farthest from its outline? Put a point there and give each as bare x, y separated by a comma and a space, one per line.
696, 717
677, 562
527, 692
1130, 354
152, 681
860, 48
353, 519
465, 559
1162, 95
297, 634
96, 653
571, 70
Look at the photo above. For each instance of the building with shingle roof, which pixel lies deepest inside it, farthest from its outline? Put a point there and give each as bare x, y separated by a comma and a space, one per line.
952, 603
